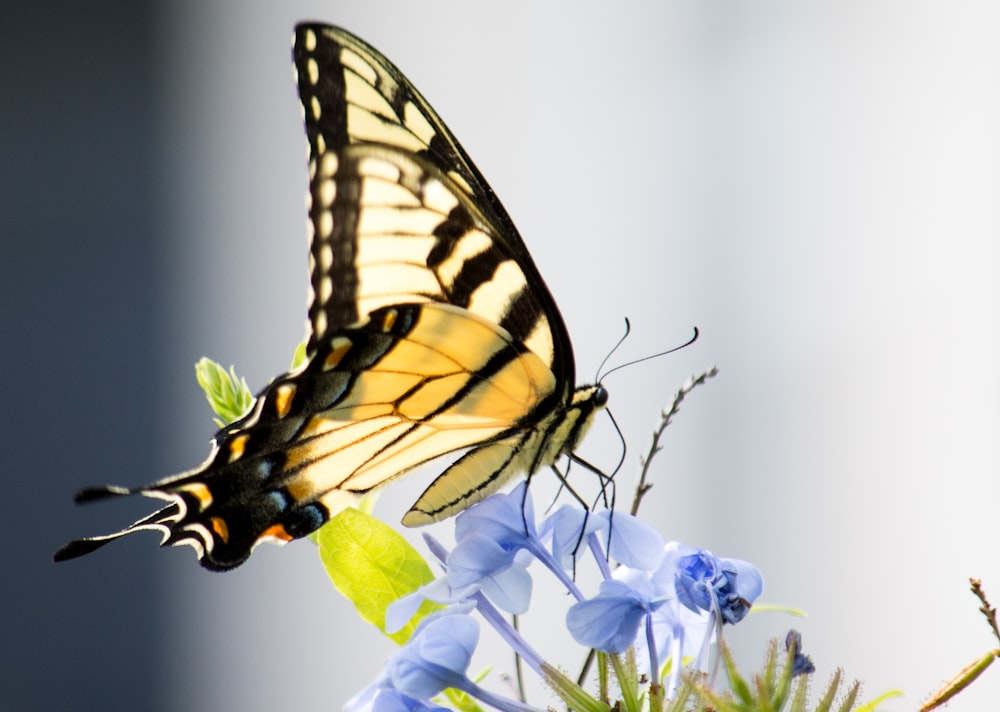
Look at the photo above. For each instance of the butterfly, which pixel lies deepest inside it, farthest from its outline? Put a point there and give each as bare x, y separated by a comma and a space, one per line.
431, 332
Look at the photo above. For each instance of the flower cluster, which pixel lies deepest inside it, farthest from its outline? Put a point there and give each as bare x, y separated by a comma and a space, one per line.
656, 602
665, 600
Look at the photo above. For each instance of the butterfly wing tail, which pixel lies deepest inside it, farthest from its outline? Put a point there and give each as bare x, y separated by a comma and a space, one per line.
222, 529
159, 520
95, 494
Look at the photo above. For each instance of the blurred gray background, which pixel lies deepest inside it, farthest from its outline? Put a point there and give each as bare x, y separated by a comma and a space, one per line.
814, 185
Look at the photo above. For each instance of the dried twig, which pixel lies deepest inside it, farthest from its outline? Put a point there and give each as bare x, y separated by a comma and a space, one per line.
974, 669
666, 417
987, 610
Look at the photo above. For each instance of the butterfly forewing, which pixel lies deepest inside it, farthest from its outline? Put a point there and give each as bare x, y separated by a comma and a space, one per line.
352, 95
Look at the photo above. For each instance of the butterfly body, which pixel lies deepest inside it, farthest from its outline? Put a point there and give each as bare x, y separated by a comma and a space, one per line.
431, 332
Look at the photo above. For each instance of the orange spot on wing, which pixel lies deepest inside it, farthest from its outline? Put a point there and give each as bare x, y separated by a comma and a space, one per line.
283, 396
276, 531
237, 446
220, 527
340, 348
200, 492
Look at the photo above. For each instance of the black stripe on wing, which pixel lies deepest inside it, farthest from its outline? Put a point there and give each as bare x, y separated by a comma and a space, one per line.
392, 229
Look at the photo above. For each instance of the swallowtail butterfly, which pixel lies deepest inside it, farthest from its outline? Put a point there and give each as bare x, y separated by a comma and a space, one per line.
431, 331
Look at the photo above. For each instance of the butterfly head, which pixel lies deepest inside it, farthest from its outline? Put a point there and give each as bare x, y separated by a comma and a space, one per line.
589, 399
584, 404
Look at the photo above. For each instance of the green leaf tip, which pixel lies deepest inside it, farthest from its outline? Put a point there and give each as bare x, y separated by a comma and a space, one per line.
299, 357
227, 394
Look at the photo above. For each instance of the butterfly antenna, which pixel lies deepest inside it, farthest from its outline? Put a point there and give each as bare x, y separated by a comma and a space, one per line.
628, 330
687, 343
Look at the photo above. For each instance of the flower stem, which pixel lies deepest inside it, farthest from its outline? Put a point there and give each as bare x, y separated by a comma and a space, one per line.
508, 632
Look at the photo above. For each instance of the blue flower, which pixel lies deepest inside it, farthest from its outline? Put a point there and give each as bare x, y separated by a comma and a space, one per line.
479, 562
383, 699
610, 620
631, 542
507, 519
695, 578
696, 583
677, 634
628, 540
568, 527
708, 582
436, 657
489, 556
802, 664
673, 593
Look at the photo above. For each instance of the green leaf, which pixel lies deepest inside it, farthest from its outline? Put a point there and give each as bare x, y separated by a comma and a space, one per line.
227, 394
826, 702
462, 701
739, 686
299, 357
372, 566
873, 705
575, 697
628, 680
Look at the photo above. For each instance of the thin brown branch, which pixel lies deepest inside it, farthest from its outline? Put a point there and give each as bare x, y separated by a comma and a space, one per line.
666, 417
986, 609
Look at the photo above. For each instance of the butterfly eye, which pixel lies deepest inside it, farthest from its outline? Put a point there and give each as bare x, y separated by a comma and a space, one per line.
601, 396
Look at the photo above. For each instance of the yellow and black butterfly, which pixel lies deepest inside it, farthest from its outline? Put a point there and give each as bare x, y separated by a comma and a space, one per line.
431, 332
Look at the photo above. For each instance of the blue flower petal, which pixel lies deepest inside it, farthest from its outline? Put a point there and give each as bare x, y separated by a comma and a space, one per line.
510, 590
388, 700
474, 558
402, 609
610, 621
449, 641
479, 563
633, 542
565, 525
436, 657
501, 517
749, 579
364, 701
642, 584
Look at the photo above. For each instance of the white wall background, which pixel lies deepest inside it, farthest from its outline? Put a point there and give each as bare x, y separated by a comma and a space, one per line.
814, 185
